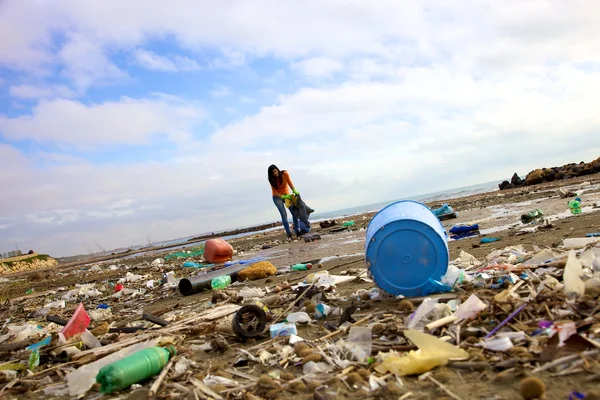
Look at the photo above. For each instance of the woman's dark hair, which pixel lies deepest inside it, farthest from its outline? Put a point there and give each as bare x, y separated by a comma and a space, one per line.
273, 180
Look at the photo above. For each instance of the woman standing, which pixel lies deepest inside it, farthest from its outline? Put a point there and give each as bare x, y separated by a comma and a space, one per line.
280, 184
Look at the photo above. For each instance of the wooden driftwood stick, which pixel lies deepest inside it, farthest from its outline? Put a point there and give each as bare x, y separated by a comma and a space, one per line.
565, 360
160, 378
335, 333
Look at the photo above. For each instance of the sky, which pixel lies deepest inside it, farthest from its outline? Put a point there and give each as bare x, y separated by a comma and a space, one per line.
127, 120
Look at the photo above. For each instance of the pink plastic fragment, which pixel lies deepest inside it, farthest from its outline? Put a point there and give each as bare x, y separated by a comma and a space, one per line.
78, 323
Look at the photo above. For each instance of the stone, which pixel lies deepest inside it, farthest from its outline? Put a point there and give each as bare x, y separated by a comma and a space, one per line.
516, 180
504, 185
534, 177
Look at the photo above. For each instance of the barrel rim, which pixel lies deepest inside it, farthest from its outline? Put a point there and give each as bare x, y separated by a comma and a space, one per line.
406, 201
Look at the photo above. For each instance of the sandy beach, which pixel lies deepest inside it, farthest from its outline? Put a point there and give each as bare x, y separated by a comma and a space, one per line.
342, 253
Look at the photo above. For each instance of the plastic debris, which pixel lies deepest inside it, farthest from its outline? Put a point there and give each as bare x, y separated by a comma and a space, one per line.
158, 262
322, 310
248, 292
498, 344
298, 317
78, 323
359, 342
424, 309
574, 286
283, 329
470, 308
432, 353
132, 369
82, 379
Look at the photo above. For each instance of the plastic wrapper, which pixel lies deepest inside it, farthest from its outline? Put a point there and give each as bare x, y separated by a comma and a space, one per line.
498, 344
470, 308
456, 276
432, 353
359, 342
298, 317
251, 292
574, 286
213, 380
22, 332
313, 368
421, 312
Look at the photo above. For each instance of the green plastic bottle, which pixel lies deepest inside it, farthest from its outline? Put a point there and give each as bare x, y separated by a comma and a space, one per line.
575, 207
133, 369
301, 267
220, 282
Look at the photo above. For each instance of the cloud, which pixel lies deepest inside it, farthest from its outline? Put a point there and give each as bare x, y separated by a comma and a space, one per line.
221, 91
87, 63
42, 92
317, 66
153, 61
362, 102
127, 121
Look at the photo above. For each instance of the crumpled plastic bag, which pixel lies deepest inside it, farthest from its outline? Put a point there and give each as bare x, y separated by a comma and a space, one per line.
455, 275
213, 380
25, 331
312, 367
85, 290
359, 342
426, 307
129, 277
432, 353
470, 308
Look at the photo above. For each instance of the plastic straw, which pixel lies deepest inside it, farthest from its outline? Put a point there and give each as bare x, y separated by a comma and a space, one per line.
501, 324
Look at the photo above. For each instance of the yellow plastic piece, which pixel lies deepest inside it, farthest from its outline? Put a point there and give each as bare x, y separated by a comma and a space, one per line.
432, 353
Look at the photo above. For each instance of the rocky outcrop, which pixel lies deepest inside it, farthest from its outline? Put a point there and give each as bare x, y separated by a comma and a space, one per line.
26, 263
552, 174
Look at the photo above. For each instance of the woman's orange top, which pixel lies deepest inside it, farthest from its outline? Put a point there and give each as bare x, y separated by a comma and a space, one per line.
283, 188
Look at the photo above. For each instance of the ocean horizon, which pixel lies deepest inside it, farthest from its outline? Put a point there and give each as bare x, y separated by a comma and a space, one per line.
448, 194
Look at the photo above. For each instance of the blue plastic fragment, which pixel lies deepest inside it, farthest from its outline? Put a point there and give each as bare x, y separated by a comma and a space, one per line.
464, 228
576, 395
191, 264
243, 262
38, 345
489, 240
103, 306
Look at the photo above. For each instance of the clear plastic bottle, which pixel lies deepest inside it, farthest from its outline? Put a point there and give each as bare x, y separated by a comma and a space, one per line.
220, 282
133, 369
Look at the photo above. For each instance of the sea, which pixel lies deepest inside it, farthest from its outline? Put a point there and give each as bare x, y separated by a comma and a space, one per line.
348, 212
423, 198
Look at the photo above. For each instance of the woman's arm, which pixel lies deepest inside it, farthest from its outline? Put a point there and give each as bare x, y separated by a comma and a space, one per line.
288, 180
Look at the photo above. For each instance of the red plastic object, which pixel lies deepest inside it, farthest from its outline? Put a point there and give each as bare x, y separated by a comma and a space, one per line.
119, 287
217, 251
78, 323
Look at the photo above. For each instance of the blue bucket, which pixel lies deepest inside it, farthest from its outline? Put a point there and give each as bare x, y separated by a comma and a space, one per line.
406, 249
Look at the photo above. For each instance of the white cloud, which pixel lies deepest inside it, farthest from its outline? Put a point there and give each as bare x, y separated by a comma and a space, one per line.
156, 62
42, 91
318, 66
87, 63
126, 121
221, 91
420, 96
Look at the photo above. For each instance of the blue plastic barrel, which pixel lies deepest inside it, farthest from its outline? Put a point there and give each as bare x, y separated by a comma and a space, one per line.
406, 249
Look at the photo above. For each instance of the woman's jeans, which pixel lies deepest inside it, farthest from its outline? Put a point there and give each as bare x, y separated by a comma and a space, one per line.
280, 204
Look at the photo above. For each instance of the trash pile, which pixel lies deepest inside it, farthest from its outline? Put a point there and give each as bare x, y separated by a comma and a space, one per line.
512, 322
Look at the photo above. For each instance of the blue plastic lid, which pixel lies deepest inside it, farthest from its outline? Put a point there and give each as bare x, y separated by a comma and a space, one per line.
407, 256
